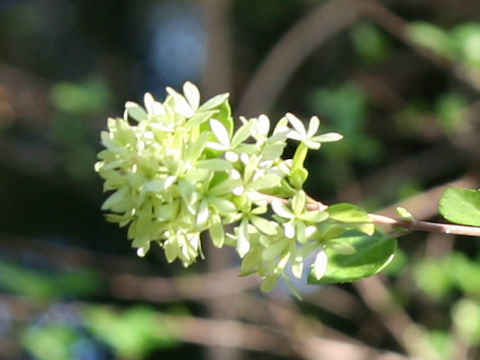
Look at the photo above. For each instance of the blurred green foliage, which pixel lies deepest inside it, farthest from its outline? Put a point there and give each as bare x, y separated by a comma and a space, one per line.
440, 278
466, 318
44, 285
447, 114
81, 99
51, 342
345, 109
450, 111
74, 104
83, 57
132, 333
370, 43
460, 43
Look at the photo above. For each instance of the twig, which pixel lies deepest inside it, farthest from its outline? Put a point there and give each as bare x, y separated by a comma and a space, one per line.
127, 278
252, 337
416, 225
293, 48
396, 320
397, 27
406, 225
225, 333
217, 78
216, 285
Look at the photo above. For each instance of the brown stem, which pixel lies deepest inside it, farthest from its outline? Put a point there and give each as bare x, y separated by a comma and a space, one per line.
416, 225
407, 225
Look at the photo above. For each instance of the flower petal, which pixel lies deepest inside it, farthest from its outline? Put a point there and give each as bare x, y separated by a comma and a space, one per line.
220, 132
313, 126
297, 124
320, 265
281, 210
192, 95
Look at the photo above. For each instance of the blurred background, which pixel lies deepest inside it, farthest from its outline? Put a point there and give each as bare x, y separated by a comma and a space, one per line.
400, 79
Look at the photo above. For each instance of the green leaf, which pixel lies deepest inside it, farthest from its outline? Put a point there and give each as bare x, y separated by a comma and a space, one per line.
343, 248
348, 213
352, 215
372, 254
315, 216
330, 231
461, 206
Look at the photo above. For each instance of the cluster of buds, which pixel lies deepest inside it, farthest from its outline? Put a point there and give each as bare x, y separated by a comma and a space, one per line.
178, 169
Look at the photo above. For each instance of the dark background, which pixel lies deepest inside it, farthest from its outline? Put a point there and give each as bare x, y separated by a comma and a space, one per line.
404, 95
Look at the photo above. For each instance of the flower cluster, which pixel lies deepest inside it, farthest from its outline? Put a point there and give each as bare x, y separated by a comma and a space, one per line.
178, 169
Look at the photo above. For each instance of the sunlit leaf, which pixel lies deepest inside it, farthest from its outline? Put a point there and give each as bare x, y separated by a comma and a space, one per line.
461, 206
372, 254
353, 215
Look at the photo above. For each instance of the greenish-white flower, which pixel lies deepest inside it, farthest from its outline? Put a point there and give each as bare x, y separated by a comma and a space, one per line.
177, 169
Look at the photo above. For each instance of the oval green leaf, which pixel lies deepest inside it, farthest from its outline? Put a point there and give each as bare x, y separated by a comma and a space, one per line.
372, 254
461, 206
